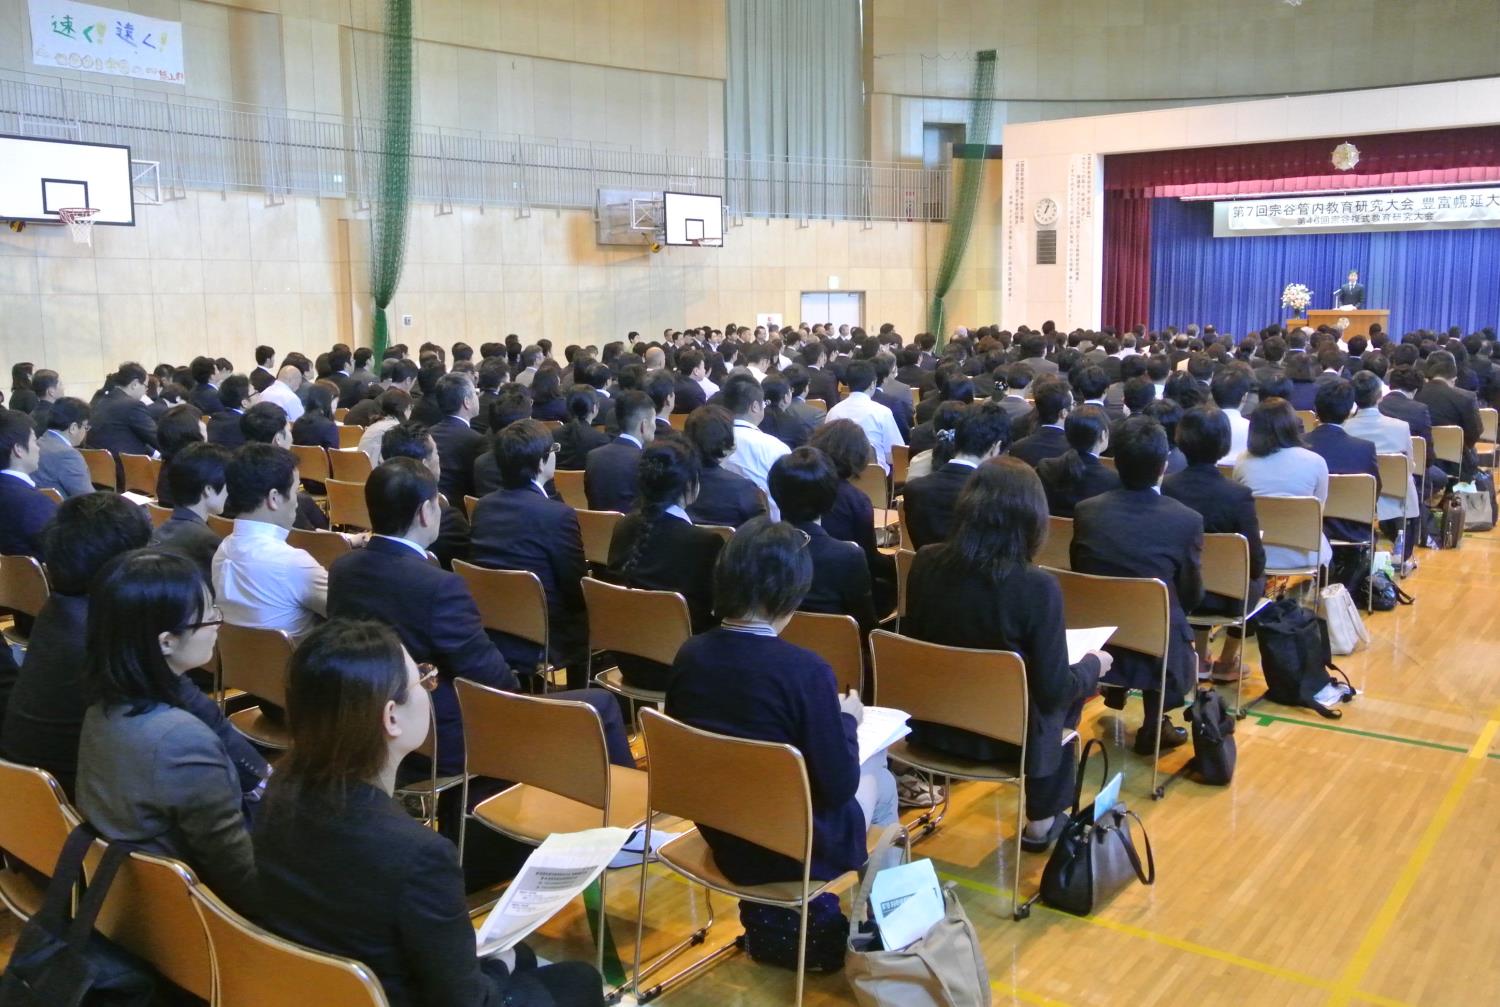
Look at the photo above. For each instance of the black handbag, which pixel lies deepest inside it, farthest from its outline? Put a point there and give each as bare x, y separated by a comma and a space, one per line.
1386, 594
1214, 750
60, 961
1295, 655
1094, 860
771, 934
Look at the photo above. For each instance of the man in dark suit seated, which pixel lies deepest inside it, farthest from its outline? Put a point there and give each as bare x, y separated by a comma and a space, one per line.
1077, 473
900, 404
780, 421
350, 387
1134, 531
24, 509
983, 433
392, 580
121, 423
266, 423
662, 387
1400, 403
520, 527
1345, 455
724, 497
821, 382
457, 442
207, 379
609, 476
412, 440
234, 399
199, 488
689, 393
1053, 398
1449, 405
910, 372
804, 485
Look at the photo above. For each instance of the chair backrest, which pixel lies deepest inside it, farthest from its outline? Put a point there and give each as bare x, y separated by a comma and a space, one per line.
140, 473
159, 515
349, 465
323, 546
552, 425
900, 463
569, 485
818, 404
1395, 475
597, 528
509, 601
724, 531
1351, 497
150, 912
219, 525
1107, 461
983, 691
871, 482
1226, 469
37, 816
647, 624
1309, 420
904, 559
50, 494
23, 585
678, 421
349, 435
253, 966
255, 660
555, 744
1139, 607
1056, 548
101, 467
346, 504
834, 638
1418, 456
470, 502
1294, 522
1489, 424
1226, 564
902, 526
1448, 444
312, 462
756, 790
340, 413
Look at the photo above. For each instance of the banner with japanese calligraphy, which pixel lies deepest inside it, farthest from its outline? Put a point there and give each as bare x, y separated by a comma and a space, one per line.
1414, 210
78, 36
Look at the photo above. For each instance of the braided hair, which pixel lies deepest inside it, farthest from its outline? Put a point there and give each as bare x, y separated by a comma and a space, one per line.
666, 475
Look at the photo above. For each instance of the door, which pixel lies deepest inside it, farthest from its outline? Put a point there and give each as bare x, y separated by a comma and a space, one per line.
839, 307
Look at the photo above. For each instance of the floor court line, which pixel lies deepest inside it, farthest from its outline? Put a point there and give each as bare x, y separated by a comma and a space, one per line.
1025, 996
1264, 719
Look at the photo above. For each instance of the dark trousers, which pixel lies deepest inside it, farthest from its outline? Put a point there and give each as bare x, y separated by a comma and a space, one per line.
1413, 532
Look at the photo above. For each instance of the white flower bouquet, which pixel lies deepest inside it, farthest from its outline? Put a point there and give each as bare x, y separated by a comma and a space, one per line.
1296, 296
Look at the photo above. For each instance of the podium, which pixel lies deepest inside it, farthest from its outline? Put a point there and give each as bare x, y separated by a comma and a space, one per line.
1359, 321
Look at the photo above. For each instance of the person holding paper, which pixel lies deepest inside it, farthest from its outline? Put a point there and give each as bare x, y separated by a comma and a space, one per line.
345, 870
740, 679
1008, 603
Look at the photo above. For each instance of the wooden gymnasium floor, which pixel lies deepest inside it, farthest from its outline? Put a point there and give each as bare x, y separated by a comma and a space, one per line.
1351, 862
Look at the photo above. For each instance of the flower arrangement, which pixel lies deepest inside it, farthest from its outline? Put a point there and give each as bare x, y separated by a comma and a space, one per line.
1296, 296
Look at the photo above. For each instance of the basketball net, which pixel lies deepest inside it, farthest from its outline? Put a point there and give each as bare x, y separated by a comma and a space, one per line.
80, 221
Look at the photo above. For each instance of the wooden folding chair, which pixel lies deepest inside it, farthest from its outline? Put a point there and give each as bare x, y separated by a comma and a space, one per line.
552, 425
50, 494
902, 527
102, 471
349, 436
349, 465
1352, 497
470, 502
255, 661
23, 589
340, 414
982, 691
818, 404
1419, 468
159, 515
597, 529
652, 625
150, 912
724, 531
427, 789
1056, 550
346, 505
219, 525
141, 472
35, 825
904, 560
900, 465
1396, 484
554, 753
1296, 523
569, 485
323, 546
312, 462
754, 790
254, 966
1489, 434
1107, 461
1140, 608
1448, 444
511, 602
1226, 469
872, 483
834, 638
1308, 419
678, 421
1226, 571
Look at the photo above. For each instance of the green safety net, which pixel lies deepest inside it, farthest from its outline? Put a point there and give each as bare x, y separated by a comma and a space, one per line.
392, 163
968, 171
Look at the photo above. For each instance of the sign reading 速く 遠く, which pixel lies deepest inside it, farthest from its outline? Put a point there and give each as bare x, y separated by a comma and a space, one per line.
79, 36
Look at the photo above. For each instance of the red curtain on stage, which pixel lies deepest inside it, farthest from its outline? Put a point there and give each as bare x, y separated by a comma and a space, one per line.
1387, 160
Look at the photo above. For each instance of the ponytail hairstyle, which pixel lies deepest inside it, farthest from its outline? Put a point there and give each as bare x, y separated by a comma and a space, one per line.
945, 423
1083, 428
667, 474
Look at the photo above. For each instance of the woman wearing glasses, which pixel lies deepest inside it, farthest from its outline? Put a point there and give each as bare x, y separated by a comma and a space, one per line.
357, 706
150, 770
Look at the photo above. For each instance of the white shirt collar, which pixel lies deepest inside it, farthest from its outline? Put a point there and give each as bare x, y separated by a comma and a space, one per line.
633, 440
676, 511
406, 542
250, 528
541, 487
60, 436
966, 463
18, 474
740, 422
754, 627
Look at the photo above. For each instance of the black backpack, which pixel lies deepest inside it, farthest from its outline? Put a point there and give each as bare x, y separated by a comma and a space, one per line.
1295, 655
1213, 739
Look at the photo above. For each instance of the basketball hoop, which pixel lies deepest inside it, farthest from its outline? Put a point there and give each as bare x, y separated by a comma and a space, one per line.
80, 221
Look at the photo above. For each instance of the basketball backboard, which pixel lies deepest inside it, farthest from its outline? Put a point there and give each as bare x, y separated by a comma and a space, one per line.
38, 177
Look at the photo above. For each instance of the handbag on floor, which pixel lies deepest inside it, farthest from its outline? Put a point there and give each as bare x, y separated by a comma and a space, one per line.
1346, 630
59, 961
1451, 518
1093, 860
943, 968
1295, 655
1478, 501
1214, 751
771, 934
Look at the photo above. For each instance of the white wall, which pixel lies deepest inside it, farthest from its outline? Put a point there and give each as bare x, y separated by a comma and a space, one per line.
1046, 153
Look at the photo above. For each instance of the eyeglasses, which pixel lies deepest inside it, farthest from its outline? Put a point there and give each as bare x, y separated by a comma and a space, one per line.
427, 677
215, 618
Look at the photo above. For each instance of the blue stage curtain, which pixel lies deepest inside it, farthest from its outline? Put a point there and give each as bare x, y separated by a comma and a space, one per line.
1425, 279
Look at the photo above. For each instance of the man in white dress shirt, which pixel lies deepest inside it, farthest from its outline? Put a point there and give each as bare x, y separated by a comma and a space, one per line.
1229, 388
755, 451
876, 420
283, 392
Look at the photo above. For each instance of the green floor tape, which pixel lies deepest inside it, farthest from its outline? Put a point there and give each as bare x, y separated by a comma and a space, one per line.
614, 972
1266, 719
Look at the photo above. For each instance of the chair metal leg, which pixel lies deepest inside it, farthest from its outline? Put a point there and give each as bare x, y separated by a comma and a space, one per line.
1015, 881
697, 937
1157, 790
930, 819
802, 944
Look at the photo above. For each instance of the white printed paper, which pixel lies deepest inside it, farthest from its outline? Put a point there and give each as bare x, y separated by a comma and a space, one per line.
139, 499
906, 901
552, 876
881, 728
1081, 641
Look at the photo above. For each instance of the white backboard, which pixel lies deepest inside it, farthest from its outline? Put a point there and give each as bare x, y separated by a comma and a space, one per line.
39, 177
692, 219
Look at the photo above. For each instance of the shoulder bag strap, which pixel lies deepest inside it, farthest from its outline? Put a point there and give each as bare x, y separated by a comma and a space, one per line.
859, 912
94, 895
1148, 875
1083, 765
65, 877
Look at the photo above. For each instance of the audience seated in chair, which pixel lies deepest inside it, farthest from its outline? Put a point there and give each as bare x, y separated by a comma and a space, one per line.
1047, 439
59, 465
609, 477
24, 509
1343, 453
755, 451
177, 428
1077, 474
852, 517
458, 443
983, 432
266, 423
724, 497
412, 440
577, 437
1276, 463
198, 480
804, 485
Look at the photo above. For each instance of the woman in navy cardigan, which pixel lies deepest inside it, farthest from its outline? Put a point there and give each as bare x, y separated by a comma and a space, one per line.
741, 679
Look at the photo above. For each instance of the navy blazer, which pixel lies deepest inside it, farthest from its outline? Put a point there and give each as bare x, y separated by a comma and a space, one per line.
121, 425
224, 428
901, 409
1304, 395
841, 578
687, 395
24, 512
1416, 415
1345, 455
1450, 406
206, 398
1045, 442
609, 476
436, 618
823, 384
725, 498
766, 689
524, 529
315, 431
553, 409
1064, 491
458, 444
1140, 533
667, 554
1227, 508
575, 439
852, 519
930, 500
787, 427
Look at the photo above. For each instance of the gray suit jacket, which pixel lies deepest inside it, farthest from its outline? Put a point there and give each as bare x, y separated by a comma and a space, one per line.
61, 467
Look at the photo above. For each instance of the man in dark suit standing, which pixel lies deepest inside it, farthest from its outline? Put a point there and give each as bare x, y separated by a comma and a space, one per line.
457, 442
1052, 398
983, 433
1352, 293
24, 509
1449, 405
120, 423
609, 471
1345, 454
1134, 531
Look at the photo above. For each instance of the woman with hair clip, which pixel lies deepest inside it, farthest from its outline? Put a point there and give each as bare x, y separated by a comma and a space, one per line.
1077, 473
577, 437
944, 425
357, 706
658, 547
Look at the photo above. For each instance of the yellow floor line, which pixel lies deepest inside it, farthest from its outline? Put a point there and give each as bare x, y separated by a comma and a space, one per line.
1025, 996
1385, 918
